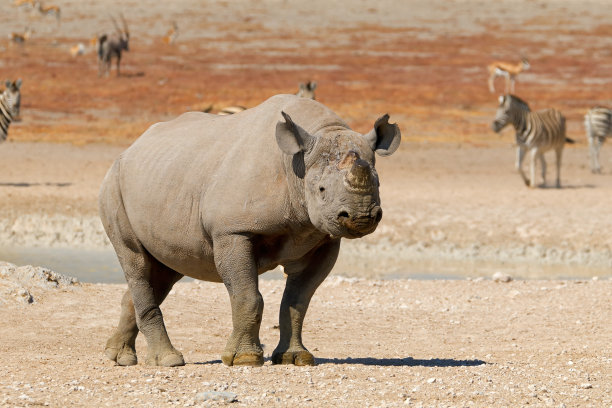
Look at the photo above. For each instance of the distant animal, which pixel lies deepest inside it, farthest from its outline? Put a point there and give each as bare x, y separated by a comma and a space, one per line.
507, 70
77, 49
52, 10
306, 90
225, 199
230, 110
111, 46
21, 38
536, 133
10, 103
598, 124
171, 35
25, 3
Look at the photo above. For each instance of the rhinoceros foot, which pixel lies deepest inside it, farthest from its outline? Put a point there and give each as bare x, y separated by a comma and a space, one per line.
122, 353
251, 358
169, 358
299, 358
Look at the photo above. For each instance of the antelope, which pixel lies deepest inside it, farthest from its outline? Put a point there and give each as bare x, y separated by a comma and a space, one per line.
171, 35
49, 10
307, 90
112, 45
25, 3
304, 91
21, 38
77, 49
508, 70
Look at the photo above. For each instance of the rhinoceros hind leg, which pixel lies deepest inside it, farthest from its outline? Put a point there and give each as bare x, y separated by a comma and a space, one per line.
121, 346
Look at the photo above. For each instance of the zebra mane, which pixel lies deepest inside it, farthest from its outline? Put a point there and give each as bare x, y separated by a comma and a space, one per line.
519, 101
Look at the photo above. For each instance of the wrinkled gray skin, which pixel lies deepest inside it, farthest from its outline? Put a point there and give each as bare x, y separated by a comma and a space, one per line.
226, 198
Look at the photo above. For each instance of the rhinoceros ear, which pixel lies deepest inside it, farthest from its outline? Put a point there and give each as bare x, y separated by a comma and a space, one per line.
291, 138
385, 137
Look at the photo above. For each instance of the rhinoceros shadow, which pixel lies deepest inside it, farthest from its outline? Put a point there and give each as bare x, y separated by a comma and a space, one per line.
25, 184
388, 362
407, 361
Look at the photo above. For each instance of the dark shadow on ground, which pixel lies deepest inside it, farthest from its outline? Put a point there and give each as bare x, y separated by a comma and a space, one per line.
407, 361
385, 362
24, 184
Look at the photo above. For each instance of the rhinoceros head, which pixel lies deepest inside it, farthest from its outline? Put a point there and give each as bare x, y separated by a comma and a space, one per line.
337, 167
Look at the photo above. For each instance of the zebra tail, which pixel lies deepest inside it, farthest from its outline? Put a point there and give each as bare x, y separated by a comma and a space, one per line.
570, 141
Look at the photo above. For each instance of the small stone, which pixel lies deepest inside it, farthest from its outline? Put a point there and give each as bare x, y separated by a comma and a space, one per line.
501, 277
586, 386
431, 380
223, 396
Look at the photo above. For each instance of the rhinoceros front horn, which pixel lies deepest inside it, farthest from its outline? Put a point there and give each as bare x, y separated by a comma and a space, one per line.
359, 177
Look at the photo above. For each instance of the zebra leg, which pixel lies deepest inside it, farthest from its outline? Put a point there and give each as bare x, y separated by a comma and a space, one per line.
543, 163
559, 152
532, 167
520, 153
595, 145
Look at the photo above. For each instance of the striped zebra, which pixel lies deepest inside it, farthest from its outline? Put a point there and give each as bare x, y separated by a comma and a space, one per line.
598, 124
10, 101
536, 133
305, 90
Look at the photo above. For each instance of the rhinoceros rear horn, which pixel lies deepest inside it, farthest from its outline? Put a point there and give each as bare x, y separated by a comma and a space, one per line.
359, 177
385, 137
291, 138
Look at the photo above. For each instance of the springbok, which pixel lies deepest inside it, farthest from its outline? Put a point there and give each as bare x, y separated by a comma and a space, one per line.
25, 3
49, 10
307, 90
304, 91
21, 38
171, 35
508, 70
112, 45
77, 49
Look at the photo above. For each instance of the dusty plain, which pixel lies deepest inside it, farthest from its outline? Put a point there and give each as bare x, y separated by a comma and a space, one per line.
454, 206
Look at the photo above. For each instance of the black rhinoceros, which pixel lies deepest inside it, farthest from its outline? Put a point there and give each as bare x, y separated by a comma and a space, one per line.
226, 198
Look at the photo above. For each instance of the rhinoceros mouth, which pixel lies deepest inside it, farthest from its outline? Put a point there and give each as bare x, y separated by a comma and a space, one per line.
359, 226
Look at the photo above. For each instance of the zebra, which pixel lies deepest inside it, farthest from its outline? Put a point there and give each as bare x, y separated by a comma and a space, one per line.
536, 133
112, 45
10, 102
598, 124
305, 90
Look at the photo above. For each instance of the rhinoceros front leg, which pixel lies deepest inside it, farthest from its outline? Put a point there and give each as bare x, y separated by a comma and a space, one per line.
303, 279
236, 266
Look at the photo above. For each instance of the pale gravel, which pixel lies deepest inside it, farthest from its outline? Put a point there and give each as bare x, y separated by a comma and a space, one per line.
378, 343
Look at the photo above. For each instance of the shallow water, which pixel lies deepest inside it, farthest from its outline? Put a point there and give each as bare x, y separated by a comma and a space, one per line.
102, 266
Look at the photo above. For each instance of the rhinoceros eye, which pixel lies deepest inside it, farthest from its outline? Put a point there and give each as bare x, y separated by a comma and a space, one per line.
322, 189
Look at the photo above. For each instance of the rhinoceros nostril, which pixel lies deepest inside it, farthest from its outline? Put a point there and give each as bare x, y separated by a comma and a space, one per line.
343, 215
378, 215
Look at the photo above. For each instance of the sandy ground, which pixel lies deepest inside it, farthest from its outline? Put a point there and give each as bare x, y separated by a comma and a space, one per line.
378, 343
453, 204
